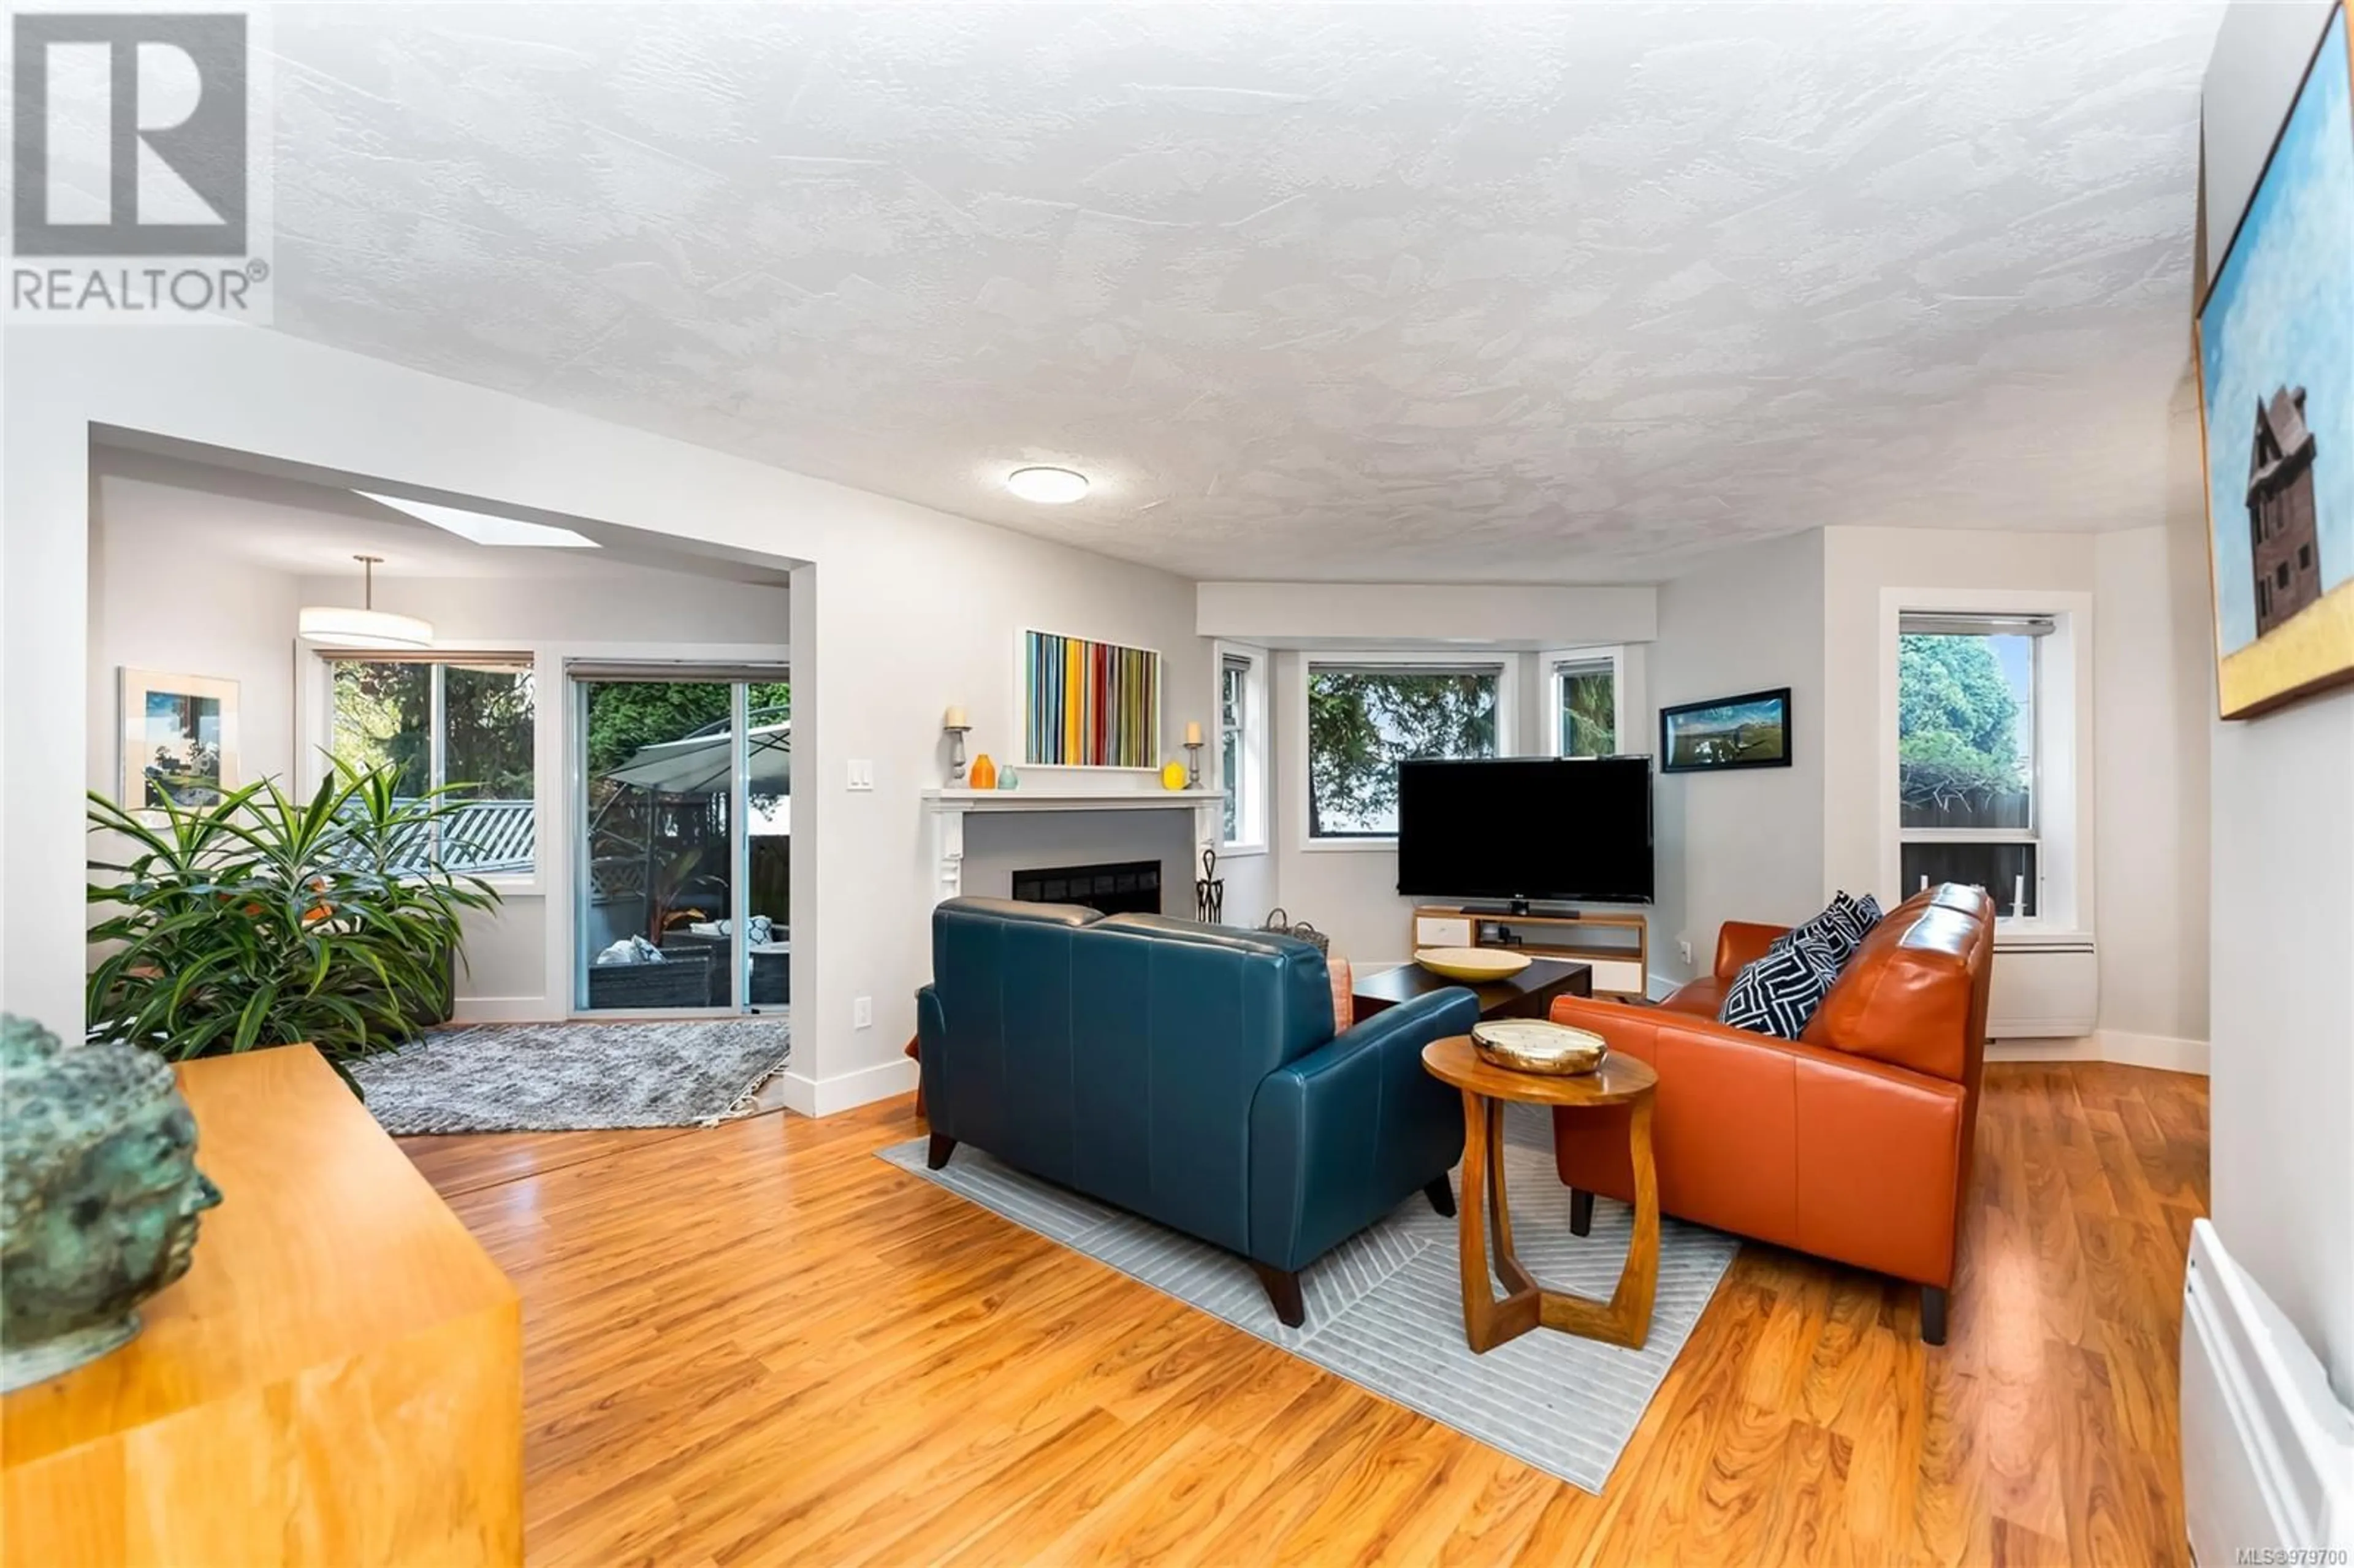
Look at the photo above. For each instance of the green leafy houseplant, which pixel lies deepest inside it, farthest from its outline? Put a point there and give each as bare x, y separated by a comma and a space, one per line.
260, 919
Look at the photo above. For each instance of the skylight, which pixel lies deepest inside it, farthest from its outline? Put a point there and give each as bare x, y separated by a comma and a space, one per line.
483, 528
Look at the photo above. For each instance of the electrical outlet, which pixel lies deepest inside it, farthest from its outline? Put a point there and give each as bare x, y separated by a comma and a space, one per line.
861, 773
1684, 950
862, 1012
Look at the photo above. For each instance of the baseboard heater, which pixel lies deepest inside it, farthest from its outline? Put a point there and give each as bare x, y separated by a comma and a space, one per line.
2267, 1449
2043, 988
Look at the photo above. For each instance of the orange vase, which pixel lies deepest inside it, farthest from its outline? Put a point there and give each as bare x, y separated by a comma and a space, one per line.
984, 773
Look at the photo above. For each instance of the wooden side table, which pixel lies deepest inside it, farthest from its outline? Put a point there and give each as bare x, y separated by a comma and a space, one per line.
1489, 1320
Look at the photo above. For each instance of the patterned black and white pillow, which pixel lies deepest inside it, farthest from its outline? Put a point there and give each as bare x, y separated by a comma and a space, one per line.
1835, 929
1778, 993
1851, 918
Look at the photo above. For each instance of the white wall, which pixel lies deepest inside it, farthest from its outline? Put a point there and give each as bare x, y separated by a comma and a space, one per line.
1745, 844
2154, 676
2281, 796
154, 606
1375, 614
899, 611
644, 606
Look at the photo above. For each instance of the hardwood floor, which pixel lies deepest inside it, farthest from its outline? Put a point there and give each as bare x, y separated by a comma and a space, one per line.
760, 1344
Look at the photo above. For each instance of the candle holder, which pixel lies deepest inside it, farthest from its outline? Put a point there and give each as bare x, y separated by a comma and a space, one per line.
955, 732
1192, 765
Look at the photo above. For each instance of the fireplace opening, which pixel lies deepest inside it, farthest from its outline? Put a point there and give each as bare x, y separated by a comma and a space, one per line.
1123, 888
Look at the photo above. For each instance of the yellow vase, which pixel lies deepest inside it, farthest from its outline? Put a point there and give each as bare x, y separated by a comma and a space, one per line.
984, 773
1173, 775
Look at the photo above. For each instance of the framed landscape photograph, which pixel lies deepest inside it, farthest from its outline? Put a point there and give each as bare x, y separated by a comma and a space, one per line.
2275, 358
1752, 730
179, 739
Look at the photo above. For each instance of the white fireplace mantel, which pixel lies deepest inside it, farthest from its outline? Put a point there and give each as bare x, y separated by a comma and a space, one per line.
950, 806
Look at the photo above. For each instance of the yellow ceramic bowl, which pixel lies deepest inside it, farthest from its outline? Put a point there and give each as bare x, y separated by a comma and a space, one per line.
1471, 963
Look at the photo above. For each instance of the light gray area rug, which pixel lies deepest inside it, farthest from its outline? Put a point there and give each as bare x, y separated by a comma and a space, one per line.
1386, 1308
558, 1078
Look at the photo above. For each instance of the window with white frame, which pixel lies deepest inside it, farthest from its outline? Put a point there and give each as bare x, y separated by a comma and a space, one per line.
466, 724
1241, 747
1586, 705
1970, 774
1366, 717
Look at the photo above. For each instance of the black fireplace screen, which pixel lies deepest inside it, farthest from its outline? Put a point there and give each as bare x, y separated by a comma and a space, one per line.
1127, 887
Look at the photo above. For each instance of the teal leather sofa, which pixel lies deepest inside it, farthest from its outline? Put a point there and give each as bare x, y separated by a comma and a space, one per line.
1186, 1073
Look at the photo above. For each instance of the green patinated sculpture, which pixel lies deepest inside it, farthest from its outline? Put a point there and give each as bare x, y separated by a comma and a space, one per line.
102, 1197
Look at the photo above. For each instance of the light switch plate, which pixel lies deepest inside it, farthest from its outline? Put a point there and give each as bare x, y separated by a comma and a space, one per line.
861, 773
862, 1012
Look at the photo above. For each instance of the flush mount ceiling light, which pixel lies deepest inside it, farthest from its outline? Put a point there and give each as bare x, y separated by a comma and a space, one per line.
1047, 486
366, 627
483, 528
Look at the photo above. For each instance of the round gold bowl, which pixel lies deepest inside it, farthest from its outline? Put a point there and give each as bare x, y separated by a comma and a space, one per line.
1532, 1046
1474, 964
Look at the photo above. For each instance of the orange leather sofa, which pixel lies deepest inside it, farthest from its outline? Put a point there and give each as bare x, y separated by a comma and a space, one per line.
1852, 1142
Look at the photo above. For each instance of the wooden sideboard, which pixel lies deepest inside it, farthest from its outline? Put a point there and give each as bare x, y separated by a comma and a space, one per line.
337, 1381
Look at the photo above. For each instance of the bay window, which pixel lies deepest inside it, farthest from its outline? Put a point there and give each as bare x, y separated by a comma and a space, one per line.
1241, 747
1586, 700
1365, 716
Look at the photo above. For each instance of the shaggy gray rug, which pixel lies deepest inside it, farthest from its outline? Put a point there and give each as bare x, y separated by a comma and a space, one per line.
555, 1077
1386, 1306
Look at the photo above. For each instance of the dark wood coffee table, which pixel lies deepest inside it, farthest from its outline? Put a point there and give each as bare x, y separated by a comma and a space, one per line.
1528, 994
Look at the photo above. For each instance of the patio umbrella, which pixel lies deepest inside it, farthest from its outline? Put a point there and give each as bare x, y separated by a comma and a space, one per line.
698, 765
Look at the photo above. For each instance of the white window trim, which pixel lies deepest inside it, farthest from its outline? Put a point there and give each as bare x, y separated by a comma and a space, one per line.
2063, 748
1256, 812
1549, 662
1505, 662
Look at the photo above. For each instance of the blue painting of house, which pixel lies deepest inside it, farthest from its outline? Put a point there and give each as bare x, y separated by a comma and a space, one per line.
2276, 364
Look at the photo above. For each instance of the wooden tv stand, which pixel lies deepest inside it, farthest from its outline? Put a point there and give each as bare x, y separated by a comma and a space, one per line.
1616, 947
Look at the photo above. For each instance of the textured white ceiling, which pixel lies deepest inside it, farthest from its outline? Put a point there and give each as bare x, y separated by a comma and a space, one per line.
1437, 291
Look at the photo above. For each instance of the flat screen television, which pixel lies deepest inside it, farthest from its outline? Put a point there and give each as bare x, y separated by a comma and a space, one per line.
1570, 831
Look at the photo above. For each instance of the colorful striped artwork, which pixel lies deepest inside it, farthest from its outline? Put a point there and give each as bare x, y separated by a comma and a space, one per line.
1089, 705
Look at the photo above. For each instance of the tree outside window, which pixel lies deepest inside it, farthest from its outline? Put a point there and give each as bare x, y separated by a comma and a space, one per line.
470, 727
1588, 693
1964, 759
1363, 720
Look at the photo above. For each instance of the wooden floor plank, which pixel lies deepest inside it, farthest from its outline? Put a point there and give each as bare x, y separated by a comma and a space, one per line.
758, 1344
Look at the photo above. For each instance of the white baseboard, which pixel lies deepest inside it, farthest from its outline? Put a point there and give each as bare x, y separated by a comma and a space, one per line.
826, 1096
506, 1010
2117, 1045
2158, 1051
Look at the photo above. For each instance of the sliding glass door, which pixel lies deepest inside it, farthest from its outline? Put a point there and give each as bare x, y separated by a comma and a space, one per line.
684, 841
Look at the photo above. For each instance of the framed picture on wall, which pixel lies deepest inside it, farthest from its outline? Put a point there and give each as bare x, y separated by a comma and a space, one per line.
1088, 705
2275, 358
1752, 730
179, 739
